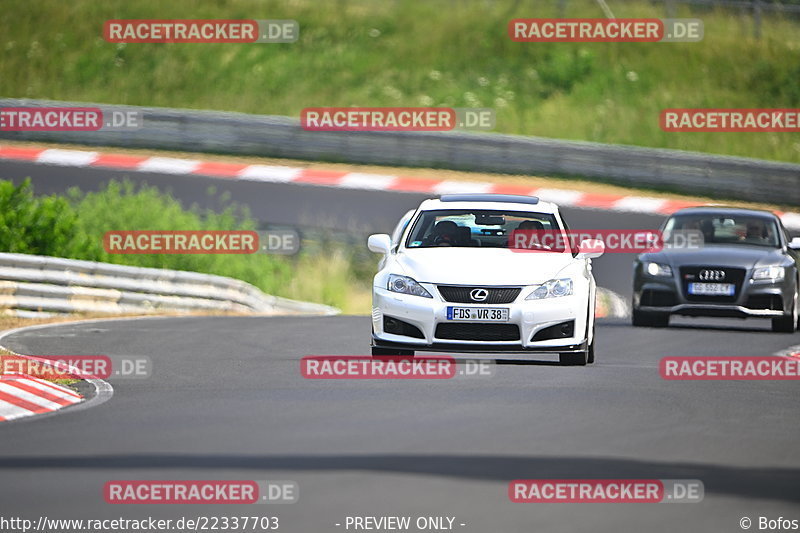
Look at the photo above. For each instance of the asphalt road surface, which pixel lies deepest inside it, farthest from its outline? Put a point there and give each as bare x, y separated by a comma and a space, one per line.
226, 401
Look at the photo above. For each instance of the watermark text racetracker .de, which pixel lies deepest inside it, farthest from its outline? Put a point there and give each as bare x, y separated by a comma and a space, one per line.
606, 491
558, 241
200, 492
240, 31
730, 120
282, 242
51, 367
624, 241
720, 368
626, 30
393, 367
396, 118
69, 119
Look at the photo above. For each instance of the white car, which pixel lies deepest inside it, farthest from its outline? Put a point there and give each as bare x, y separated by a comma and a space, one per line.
450, 281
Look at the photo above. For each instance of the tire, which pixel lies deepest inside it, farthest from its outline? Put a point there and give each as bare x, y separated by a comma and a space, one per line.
787, 323
590, 350
573, 358
388, 352
579, 358
640, 319
649, 319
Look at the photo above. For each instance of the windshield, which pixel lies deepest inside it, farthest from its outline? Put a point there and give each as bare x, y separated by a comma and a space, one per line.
727, 229
474, 228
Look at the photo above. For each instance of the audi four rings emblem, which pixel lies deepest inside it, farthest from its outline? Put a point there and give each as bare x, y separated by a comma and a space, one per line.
711, 275
478, 295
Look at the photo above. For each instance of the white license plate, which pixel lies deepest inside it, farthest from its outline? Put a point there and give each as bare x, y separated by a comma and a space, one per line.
712, 289
477, 314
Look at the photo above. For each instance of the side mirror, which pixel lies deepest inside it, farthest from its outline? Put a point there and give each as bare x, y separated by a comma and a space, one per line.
591, 249
380, 243
794, 244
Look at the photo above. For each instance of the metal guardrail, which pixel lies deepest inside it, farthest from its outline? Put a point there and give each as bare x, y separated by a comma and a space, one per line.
34, 285
275, 136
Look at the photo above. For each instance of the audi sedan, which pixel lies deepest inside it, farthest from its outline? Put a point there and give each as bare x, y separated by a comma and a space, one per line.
720, 262
452, 280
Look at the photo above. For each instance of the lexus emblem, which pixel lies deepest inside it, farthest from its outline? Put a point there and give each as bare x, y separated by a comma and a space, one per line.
711, 275
478, 295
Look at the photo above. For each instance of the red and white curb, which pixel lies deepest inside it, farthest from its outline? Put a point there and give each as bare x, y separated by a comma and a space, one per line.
22, 396
348, 180
791, 351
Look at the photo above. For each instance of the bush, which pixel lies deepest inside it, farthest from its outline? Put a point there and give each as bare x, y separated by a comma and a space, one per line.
46, 226
73, 227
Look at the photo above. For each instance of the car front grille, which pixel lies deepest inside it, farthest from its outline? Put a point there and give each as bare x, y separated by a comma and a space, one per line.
462, 295
690, 274
477, 332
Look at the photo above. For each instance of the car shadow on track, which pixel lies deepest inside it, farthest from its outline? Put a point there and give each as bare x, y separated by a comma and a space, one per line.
532, 362
782, 484
715, 327
693, 327
462, 358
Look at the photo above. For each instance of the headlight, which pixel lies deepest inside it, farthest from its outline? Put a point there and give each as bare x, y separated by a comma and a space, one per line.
657, 269
406, 285
551, 289
772, 274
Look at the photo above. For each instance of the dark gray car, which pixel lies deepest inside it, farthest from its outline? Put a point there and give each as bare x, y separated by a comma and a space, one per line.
722, 262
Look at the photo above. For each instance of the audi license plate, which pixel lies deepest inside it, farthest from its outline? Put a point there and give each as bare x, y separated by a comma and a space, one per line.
712, 289
477, 314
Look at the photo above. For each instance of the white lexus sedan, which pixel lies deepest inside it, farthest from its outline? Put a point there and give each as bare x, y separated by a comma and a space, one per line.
452, 280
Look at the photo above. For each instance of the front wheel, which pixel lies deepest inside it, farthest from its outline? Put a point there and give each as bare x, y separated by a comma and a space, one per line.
386, 352
573, 359
788, 323
649, 319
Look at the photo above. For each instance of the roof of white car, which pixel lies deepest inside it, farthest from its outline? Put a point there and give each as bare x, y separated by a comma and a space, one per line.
490, 202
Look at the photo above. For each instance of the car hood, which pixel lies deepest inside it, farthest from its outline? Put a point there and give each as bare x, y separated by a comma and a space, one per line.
741, 256
476, 266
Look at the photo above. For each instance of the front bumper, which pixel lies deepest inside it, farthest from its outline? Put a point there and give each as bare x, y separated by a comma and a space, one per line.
752, 300
713, 310
529, 316
484, 347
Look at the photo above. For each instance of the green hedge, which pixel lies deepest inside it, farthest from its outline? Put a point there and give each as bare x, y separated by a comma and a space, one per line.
73, 227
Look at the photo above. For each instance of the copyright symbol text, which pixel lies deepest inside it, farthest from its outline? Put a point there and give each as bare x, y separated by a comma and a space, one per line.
745, 523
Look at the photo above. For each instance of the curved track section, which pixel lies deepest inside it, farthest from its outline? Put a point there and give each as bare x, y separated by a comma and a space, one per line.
226, 401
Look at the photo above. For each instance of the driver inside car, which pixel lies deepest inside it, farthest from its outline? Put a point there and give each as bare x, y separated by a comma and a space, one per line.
756, 232
445, 233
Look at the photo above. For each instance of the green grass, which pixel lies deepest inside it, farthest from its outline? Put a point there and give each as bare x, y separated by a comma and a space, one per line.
404, 52
72, 226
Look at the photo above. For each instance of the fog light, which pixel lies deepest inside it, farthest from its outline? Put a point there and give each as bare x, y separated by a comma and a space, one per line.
390, 325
